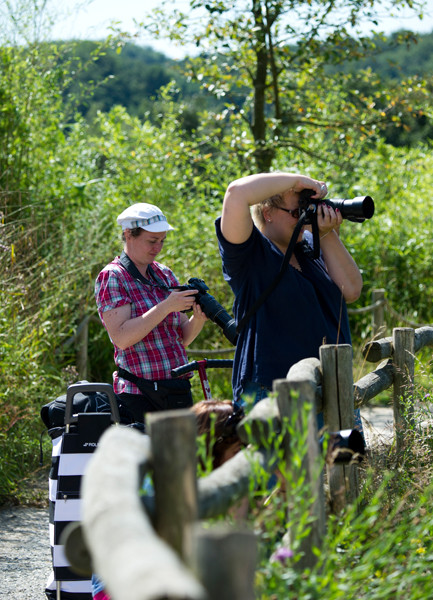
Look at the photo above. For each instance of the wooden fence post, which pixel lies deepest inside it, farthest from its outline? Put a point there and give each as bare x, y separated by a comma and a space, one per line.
81, 341
173, 437
224, 561
131, 559
404, 373
378, 317
338, 408
291, 397
82, 348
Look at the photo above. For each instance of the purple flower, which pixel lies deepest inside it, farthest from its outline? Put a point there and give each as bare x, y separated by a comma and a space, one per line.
281, 555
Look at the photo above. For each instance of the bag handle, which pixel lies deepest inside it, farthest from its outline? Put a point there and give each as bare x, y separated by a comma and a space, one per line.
103, 388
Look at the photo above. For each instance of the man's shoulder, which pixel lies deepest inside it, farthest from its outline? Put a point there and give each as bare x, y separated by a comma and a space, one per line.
256, 236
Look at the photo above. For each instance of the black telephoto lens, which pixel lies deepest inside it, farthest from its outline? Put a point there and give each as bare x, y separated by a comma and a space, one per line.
354, 209
213, 310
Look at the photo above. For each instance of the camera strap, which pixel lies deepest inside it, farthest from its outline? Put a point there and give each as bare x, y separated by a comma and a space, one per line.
127, 263
310, 212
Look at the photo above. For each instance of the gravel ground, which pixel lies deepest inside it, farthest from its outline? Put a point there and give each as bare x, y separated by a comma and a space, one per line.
25, 557
378, 424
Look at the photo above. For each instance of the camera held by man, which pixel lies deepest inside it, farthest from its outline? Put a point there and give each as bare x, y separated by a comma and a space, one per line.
354, 209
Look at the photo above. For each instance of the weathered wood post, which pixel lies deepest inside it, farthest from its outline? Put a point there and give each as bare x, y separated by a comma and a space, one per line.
131, 559
81, 339
82, 347
378, 317
292, 395
338, 409
173, 437
404, 373
224, 560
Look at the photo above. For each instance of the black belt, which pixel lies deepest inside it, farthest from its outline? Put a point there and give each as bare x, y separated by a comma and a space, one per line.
143, 384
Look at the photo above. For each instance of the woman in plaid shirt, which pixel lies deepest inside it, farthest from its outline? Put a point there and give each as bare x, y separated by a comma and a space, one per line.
143, 313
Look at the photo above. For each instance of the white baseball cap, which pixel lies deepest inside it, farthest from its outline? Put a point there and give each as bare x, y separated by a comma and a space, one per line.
143, 215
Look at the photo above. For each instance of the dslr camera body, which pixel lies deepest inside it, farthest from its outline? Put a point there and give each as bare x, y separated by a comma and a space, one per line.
355, 209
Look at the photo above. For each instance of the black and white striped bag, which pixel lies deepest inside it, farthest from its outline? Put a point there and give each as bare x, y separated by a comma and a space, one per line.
73, 446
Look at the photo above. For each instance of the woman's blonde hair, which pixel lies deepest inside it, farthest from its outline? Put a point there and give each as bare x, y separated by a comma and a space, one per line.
257, 210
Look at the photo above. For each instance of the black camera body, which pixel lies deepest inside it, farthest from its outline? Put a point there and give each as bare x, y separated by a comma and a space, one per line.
211, 308
345, 446
355, 209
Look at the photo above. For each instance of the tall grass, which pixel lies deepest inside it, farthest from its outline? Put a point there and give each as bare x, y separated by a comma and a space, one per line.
380, 547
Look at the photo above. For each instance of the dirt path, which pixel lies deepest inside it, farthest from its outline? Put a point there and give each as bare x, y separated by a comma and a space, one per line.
25, 557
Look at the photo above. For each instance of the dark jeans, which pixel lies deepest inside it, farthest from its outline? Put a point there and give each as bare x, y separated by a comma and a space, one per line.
254, 391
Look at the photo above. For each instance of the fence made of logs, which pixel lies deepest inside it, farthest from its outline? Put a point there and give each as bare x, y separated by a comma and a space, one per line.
157, 546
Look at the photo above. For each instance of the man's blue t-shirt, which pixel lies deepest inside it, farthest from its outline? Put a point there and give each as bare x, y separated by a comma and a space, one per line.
305, 310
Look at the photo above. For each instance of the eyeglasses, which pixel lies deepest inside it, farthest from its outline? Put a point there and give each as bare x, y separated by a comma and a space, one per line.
295, 212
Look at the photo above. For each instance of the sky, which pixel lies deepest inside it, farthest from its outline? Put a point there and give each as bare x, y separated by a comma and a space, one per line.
92, 18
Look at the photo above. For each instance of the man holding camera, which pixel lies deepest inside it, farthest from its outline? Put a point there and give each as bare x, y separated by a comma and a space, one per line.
308, 305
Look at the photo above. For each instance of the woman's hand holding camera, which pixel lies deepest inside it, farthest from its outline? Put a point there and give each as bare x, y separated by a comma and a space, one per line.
181, 301
328, 219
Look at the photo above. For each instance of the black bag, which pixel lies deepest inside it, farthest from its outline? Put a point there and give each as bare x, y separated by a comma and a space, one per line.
53, 414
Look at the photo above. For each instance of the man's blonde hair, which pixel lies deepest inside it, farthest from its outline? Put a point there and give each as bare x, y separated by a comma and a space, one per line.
257, 209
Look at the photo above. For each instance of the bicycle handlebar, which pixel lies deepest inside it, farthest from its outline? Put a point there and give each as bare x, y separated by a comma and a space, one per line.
213, 363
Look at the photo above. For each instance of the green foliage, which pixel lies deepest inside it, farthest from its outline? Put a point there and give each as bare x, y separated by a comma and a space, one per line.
394, 248
378, 547
63, 181
366, 555
128, 76
403, 57
280, 68
29, 118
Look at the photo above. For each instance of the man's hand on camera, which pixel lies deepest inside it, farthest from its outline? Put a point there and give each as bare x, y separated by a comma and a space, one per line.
328, 219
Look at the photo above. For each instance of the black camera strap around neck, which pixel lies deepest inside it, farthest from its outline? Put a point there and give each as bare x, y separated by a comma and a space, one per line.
127, 263
310, 212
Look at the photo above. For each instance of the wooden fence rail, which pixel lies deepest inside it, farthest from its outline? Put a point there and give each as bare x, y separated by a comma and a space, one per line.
397, 369
156, 548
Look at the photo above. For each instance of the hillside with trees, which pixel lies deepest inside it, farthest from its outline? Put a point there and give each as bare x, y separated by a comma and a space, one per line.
133, 77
